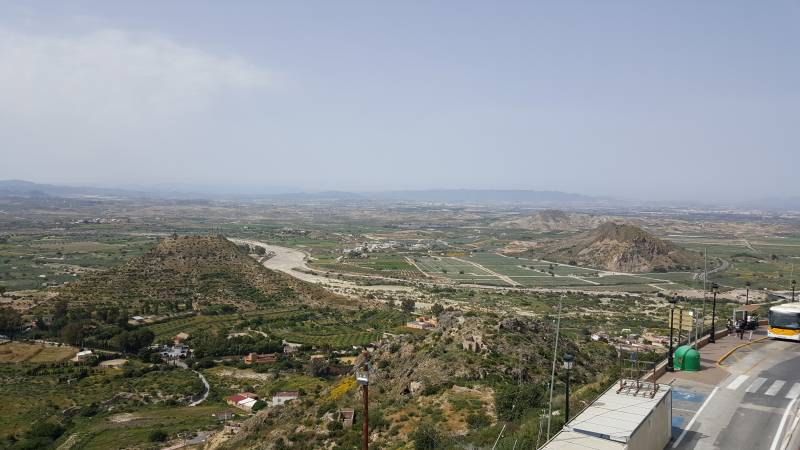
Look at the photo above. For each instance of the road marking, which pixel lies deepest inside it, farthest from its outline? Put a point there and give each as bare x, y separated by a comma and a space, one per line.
756, 385
691, 422
738, 382
778, 433
793, 392
776, 386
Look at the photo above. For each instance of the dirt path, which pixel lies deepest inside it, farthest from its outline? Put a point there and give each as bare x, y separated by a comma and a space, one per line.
504, 278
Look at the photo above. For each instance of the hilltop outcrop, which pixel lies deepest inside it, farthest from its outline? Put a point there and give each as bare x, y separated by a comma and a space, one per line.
619, 248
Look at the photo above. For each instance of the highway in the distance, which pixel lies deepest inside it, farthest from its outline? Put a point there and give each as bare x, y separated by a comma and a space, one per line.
755, 407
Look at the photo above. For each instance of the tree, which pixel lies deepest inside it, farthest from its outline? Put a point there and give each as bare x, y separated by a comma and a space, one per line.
133, 341
72, 333
437, 309
259, 405
513, 401
408, 305
10, 320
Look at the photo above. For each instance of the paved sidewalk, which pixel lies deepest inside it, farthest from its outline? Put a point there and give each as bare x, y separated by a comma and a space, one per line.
711, 372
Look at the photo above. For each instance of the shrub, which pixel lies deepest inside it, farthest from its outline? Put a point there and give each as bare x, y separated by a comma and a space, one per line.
157, 436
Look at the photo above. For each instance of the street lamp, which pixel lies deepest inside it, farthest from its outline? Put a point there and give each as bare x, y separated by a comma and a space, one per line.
793, 283
746, 301
568, 362
672, 301
362, 377
713, 337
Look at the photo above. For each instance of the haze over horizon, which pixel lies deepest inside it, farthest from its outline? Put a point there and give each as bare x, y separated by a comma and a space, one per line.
652, 102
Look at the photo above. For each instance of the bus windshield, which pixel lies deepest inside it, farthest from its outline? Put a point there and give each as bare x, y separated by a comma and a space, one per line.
785, 320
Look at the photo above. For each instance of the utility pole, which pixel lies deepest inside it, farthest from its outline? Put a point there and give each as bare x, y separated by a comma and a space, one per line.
568, 361
672, 301
793, 283
680, 325
713, 337
553, 372
705, 280
362, 377
746, 301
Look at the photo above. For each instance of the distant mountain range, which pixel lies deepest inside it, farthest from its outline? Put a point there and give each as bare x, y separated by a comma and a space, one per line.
22, 188
523, 197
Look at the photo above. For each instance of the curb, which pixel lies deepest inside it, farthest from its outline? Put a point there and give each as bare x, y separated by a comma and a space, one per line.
730, 352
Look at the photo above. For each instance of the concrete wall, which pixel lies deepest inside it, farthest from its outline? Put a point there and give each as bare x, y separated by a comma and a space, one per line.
656, 431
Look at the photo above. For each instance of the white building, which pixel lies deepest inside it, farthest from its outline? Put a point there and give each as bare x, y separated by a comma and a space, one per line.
630, 419
282, 397
83, 355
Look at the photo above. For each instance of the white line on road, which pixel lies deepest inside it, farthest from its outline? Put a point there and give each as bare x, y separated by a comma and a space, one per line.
738, 382
691, 422
756, 385
793, 392
776, 386
777, 439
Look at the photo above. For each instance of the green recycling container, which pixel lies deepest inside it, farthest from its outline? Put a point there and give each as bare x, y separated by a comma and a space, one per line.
679, 355
691, 361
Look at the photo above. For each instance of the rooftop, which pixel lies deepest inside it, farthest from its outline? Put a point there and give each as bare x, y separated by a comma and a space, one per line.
615, 416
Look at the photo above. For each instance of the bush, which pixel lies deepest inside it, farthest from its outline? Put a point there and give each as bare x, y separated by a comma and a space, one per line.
157, 436
427, 438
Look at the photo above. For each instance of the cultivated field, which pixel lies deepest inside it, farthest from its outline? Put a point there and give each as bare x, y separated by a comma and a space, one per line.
17, 352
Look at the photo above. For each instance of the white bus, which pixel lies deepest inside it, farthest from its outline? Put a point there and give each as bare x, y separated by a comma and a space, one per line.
784, 321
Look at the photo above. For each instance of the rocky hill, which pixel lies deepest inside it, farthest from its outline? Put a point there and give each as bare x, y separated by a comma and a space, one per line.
553, 220
622, 248
191, 272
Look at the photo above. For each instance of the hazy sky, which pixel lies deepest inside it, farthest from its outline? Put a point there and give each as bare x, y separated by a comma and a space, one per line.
659, 100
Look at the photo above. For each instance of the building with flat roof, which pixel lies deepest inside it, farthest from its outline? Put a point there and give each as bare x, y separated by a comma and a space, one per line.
631, 415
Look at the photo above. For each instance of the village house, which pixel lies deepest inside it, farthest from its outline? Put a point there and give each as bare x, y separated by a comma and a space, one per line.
284, 396
180, 337
138, 319
257, 358
317, 358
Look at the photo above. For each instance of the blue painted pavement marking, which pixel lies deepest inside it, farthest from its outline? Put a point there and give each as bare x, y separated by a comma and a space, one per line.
688, 396
677, 423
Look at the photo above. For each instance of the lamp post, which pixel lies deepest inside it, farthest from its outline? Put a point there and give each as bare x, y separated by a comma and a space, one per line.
568, 361
713, 337
672, 301
793, 283
362, 377
746, 301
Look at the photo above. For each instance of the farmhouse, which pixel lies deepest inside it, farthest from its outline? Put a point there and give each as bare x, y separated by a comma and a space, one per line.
243, 400
285, 396
291, 347
83, 355
180, 337
175, 352
257, 358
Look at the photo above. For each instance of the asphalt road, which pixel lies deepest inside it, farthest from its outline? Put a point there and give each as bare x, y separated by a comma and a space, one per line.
755, 407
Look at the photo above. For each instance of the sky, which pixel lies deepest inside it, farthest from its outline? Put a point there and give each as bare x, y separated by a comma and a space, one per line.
674, 100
